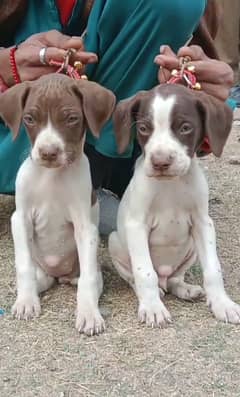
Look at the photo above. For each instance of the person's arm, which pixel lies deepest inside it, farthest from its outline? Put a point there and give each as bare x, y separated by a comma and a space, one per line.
29, 66
207, 30
5, 71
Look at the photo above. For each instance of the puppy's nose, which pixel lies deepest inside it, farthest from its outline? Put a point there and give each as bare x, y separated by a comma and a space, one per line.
160, 162
49, 153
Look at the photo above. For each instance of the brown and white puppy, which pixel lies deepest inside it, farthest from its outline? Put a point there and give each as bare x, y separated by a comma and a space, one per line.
54, 226
163, 225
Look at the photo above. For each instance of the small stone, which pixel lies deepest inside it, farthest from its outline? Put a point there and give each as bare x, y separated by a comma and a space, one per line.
216, 201
234, 161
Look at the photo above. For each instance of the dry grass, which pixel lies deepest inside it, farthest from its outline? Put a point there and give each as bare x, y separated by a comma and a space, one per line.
195, 356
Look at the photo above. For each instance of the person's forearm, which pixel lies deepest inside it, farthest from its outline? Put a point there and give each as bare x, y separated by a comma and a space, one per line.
5, 67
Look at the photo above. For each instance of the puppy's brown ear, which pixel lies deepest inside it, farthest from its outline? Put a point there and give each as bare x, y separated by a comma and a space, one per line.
123, 118
98, 104
12, 103
217, 120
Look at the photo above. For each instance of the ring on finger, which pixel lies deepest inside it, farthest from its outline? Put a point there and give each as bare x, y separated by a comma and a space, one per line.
42, 55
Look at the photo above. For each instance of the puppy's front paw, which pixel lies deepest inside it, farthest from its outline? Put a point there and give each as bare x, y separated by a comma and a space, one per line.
225, 309
154, 314
26, 307
89, 322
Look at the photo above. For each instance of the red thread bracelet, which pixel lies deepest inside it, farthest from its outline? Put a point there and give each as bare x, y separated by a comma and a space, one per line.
13, 64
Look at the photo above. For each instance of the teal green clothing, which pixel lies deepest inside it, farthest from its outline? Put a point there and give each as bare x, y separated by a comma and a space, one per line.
126, 35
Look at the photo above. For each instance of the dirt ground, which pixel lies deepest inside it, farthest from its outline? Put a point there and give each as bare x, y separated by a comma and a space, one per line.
195, 356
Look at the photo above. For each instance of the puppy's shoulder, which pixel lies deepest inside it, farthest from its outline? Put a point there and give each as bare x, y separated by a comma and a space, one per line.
196, 184
26, 176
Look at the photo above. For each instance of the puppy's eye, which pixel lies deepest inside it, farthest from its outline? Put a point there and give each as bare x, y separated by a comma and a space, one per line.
142, 129
28, 119
72, 119
185, 129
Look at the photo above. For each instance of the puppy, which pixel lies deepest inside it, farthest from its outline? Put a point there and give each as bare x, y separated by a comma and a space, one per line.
54, 226
163, 226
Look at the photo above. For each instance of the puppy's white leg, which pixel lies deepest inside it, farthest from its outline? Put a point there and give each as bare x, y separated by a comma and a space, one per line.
27, 304
151, 309
123, 265
90, 283
219, 302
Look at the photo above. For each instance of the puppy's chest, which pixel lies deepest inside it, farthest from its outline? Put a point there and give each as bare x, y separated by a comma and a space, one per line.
50, 214
51, 225
169, 218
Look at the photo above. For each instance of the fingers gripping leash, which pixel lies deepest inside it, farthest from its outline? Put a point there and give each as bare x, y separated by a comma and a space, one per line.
65, 67
185, 74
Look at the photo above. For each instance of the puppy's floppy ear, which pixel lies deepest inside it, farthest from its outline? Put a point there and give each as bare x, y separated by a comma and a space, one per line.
123, 118
98, 104
12, 103
217, 120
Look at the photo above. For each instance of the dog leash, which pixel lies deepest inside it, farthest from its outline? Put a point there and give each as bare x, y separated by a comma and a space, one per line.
65, 67
186, 75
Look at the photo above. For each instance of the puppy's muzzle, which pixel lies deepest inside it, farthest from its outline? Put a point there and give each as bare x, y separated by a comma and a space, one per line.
160, 162
49, 153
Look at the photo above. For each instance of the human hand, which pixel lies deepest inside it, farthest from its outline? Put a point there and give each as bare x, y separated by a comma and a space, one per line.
215, 77
27, 55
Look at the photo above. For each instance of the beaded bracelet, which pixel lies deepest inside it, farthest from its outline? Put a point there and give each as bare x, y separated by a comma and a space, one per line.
13, 64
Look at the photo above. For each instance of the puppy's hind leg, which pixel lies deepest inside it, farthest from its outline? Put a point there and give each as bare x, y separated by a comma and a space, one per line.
116, 252
44, 281
178, 287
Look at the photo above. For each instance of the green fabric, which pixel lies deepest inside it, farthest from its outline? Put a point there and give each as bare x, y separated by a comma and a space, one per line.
231, 103
126, 35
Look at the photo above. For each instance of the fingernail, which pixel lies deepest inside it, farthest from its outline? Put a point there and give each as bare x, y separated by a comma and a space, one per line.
162, 48
93, 59
76, 37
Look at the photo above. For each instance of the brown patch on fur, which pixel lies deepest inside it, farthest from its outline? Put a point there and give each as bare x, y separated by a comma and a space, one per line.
60, 97
206, 115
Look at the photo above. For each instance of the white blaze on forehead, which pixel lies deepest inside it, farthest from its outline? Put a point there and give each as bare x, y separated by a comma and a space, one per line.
163, 143
161, 111
47, 136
